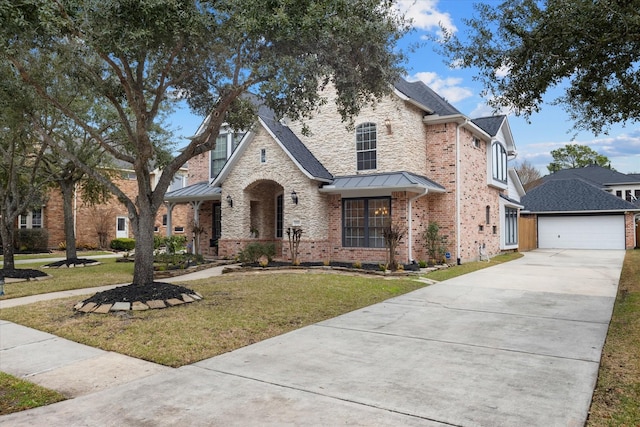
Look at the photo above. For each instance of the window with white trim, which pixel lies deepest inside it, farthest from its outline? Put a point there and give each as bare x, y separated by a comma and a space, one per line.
219, 155
366, 141
31, 219
178, 182
499, 162
511, 226
364, 220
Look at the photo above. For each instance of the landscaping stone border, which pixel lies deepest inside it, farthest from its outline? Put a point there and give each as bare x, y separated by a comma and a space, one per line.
91, 307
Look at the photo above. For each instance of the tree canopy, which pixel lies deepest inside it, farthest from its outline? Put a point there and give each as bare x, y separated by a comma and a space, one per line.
524, 48
135, 55
527, 173
576, 156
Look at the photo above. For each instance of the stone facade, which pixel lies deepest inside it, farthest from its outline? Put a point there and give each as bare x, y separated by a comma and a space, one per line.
454, 153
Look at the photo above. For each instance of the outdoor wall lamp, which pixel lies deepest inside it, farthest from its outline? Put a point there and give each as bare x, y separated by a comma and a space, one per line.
230, 201
387, 123
294, 197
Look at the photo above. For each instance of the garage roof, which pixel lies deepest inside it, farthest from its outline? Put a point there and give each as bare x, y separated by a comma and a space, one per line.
573, 195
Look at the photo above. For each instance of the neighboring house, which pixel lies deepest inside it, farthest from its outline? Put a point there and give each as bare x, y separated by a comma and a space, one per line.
96, 226
586, 208
411, 160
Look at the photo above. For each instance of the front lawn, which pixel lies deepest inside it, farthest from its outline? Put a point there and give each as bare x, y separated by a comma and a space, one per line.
237, 310
109, 272
616, 400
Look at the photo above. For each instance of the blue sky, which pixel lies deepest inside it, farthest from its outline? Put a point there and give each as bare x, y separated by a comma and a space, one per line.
547, 130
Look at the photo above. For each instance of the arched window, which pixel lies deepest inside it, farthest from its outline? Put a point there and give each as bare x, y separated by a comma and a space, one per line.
366, 139
499, 162
488, 214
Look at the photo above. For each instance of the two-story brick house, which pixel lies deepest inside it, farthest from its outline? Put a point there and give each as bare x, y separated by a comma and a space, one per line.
109, 219
410, 160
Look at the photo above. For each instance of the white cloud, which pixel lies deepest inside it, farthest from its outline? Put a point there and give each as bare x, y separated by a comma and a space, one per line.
484, 110
623, 150
449, 88
426, 16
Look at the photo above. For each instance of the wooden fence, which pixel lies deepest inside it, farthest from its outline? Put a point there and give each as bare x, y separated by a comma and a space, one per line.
527, 233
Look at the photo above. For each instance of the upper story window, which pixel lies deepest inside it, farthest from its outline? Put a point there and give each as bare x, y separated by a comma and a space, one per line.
499, 162
226, 143
178, 182
366, 140
219, 154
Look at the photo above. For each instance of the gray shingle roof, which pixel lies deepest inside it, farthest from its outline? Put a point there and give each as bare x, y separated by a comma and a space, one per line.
594, 174
392, 181
491, 125
424, 95
572, 195
194, 192
293, 145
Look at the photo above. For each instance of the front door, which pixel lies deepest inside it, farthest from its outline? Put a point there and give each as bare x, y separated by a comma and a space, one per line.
122, 227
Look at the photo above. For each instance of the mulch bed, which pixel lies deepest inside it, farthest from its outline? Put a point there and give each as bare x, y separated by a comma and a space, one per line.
23, 273
347, 265
72, 262
138, 297
142, 293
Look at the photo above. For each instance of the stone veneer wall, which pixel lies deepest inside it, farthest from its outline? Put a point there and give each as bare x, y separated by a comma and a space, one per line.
400, 147
254, 186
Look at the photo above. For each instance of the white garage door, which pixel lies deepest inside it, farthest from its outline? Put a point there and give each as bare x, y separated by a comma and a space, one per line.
581, 232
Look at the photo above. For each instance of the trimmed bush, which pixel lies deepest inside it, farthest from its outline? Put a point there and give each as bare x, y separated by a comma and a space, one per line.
123, 244
253, 251
32, 239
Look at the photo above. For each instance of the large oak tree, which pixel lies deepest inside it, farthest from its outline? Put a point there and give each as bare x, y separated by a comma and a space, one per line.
134, 54
589, 48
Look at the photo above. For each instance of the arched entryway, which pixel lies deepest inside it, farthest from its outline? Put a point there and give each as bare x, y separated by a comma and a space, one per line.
266, 210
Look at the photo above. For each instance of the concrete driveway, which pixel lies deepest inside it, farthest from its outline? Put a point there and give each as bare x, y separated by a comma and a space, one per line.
517, 344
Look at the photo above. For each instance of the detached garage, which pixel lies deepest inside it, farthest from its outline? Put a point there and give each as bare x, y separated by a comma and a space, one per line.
581, 232
573, 214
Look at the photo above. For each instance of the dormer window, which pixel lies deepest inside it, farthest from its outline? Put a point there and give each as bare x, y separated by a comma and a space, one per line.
366, 141
499, 162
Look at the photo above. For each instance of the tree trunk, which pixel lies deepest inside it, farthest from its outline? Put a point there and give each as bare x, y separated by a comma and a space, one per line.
7, 232
142, 224
66, 188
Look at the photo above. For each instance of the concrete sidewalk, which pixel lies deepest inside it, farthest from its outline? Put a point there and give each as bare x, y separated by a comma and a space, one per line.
516, 344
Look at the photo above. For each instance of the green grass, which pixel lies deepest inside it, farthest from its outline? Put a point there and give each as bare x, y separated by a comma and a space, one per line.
109, 272
18, 395
237, 310
459, 270
616, 399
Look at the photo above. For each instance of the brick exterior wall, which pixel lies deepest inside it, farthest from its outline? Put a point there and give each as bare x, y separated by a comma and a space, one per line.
407, 144
89, 219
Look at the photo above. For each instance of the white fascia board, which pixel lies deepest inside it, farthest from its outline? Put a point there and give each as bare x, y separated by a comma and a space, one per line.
412, 101
618, 211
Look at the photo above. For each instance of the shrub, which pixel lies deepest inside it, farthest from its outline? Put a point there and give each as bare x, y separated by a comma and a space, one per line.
123, 244
32, 239
253, 251
422, 264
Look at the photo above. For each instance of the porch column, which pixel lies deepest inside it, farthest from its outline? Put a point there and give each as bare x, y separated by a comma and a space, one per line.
196, 221
170, 206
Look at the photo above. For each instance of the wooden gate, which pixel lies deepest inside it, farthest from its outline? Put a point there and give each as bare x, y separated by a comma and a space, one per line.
527, 233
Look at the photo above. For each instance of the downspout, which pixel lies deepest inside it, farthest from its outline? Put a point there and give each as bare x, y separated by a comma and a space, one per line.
409, 219
458, 186
636, 218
